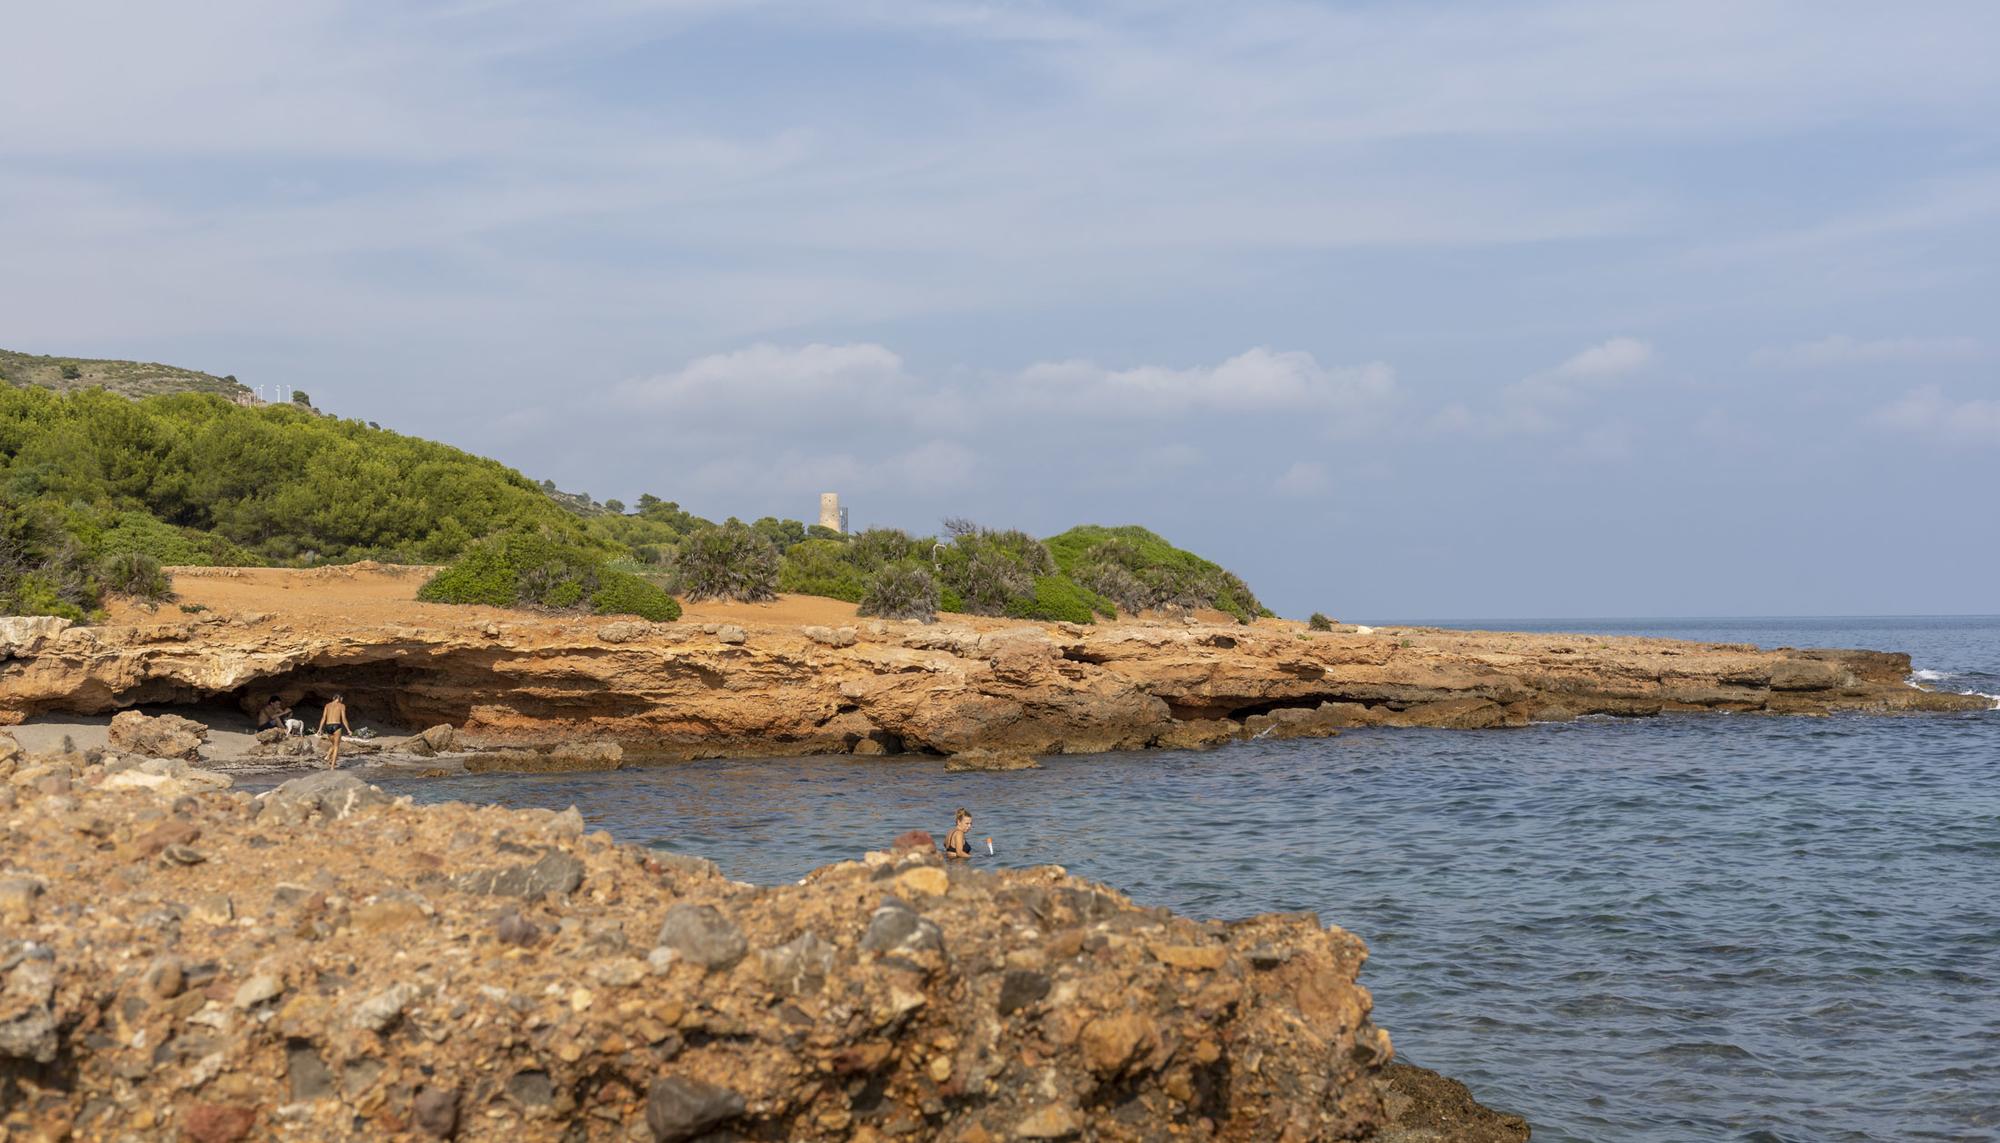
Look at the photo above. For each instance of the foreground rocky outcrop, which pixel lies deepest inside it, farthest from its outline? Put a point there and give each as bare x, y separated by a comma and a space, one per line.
697, 689
323, 962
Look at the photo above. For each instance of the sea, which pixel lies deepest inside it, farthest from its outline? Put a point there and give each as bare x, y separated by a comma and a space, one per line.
1690, 927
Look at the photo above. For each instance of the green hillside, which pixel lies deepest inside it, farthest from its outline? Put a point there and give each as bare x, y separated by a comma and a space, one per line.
109, 474
126, 378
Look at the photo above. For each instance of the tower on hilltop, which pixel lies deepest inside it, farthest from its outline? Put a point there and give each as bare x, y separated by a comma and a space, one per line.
831, 514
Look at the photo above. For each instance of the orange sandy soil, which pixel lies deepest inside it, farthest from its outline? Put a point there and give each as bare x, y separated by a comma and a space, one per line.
371, 594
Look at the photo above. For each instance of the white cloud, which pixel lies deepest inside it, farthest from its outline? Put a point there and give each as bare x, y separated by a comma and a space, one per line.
1606, 360
1927, 411
1304, 478
1535, 403
1841, 349
767, 372
1259, 380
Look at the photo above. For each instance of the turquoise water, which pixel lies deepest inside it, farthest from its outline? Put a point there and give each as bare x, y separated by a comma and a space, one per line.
1683, 928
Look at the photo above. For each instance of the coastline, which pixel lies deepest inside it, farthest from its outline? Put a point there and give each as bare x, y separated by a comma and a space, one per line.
804, 676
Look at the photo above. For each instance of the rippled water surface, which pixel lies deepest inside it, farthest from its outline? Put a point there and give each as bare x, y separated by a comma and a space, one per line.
1684, 928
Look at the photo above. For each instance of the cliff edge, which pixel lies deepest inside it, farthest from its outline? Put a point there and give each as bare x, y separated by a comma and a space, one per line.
754, 680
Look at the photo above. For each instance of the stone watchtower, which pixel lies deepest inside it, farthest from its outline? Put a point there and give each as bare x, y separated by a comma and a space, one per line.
831, 514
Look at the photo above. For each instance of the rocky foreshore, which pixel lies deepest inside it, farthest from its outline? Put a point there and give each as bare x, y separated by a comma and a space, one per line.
739, 687
180, 960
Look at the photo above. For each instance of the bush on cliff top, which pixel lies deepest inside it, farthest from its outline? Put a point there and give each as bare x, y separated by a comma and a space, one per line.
901, 591
518, 569
727, 561
1139, 571
823, 568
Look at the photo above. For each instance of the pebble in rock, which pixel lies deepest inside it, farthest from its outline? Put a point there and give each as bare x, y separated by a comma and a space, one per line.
514, 929
556, 874
896, 927
379, 1011
678, 1108
703, 935
435, 1112
165, 978
218, 1123
259, 989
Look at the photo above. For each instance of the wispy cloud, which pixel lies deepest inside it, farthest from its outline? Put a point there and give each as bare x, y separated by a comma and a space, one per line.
1927, 411
1841, 349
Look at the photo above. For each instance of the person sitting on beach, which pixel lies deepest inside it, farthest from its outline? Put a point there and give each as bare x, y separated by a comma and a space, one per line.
334, 715
955, 842
273, 714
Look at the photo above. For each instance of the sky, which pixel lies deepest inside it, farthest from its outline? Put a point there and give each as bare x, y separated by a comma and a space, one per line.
1400, 310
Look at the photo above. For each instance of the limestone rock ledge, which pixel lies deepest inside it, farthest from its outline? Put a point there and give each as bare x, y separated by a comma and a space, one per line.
687, 690
324, 962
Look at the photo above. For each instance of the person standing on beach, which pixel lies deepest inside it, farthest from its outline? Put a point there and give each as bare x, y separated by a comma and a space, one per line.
334, 714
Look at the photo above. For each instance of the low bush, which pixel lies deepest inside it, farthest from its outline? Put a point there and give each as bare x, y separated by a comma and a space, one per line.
901, 591
989, 572
1059, 599
727, 561
135, 574
822, 567
1138, 570
43, 569
1319, 622
622, 593
519, 569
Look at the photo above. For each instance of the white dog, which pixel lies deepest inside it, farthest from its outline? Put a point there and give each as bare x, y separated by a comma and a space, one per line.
295, 727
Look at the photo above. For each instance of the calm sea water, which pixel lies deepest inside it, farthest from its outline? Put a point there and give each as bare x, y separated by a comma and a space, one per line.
1683, 928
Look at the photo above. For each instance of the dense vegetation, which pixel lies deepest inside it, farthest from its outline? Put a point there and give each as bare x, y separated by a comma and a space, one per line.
1139, 571
98, 491
192, 478
517, 569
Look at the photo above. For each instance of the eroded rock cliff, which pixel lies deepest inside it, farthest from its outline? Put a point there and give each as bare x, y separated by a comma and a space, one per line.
745, 687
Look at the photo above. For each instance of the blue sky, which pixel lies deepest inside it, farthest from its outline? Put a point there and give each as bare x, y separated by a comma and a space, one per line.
1401, 310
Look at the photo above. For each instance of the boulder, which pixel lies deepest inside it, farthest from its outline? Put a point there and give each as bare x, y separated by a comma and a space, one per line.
570, 757
164, 736
623, 631
330, 794
830, 636
979, 759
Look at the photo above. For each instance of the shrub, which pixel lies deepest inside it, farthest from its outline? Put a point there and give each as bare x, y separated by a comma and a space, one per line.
71, 371
135, 574
43, 569
901, 591
519, 569
822, 567
727, 561
1059, 599
622, 593
989, 571
1138, 570
877, 547
1319, 622
299, 397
